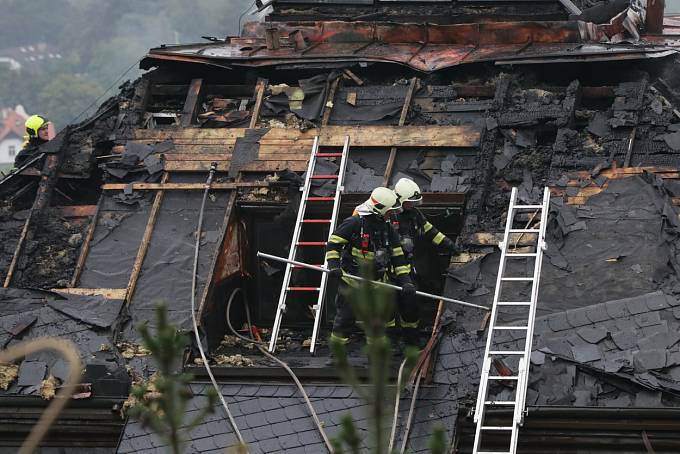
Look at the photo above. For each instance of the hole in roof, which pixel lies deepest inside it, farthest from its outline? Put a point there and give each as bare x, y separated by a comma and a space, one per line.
245, 48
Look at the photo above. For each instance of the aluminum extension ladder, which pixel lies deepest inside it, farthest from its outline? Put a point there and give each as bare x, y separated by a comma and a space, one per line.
516, 375
296, 243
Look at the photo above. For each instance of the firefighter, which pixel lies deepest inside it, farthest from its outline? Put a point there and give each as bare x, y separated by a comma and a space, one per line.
366, 237
410, 223
37, 133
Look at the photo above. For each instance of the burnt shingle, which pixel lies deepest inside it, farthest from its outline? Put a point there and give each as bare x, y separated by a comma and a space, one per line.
586, 353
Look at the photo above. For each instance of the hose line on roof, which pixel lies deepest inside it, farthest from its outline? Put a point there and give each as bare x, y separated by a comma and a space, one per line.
261, 347
397, 398
213, 168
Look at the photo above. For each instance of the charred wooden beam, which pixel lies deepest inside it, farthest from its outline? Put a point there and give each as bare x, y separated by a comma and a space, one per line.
144, 245
190, 110
402, 119
259, 97
85, 248
328, 106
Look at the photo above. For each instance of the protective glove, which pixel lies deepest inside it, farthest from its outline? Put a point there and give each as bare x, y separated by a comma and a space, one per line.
449, 245
335, 273
408, 289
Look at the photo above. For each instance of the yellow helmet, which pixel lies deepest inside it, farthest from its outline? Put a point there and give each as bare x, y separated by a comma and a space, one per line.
33, 125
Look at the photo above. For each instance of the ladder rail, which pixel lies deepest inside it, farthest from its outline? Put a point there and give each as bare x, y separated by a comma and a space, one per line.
339, 189
538, 265
524, 365
481, 396
281, 307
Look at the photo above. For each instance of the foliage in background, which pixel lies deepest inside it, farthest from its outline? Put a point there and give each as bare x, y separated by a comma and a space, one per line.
373, 307
99, 40
161, 403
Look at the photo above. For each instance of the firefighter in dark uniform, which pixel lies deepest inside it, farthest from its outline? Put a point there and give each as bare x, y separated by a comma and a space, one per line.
37, 133
411, 223
366, 237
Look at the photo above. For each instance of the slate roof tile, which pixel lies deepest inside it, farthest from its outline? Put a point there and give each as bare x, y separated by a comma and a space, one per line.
269, 404
624, 324
656, 301
577, 317
592, 334
289, 442
616, 309
276, 416
204, 444
315, 448
647, 319
648, 331
625, 339
597, 313
672, 300
256, 420
558, 322
309, 437
341, 392
224, 440
645, 360
586, 353
636, 305
270, 445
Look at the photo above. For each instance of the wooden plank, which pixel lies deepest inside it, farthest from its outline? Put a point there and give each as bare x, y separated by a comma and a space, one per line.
467, 136
402, 119
195, 156
629, 151
190, 109
330, 99
181, 186
144, 245
108, 293
160, 135
275, 166
85, 248
17, 251
192, 166
259, 96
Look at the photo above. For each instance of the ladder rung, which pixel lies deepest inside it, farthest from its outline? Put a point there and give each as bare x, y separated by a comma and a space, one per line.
304, 289
518, 279
527, 207
506, 352
320, 199
328, 155
311, 243
300, 266
523, 231
316, 221
497, 428
501, 377
520, 254
513, 303
510, 328
500, 402
324, 177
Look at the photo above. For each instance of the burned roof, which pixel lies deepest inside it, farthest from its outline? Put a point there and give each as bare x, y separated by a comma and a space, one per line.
105, 227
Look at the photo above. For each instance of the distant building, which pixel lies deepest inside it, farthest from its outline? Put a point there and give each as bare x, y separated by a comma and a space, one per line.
29, 57
11, 133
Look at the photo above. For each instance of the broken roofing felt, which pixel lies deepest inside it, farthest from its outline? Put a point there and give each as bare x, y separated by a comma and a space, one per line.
274, 418
89, 322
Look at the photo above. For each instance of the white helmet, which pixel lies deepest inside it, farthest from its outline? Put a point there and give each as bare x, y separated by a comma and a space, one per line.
382, 200
407, 191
